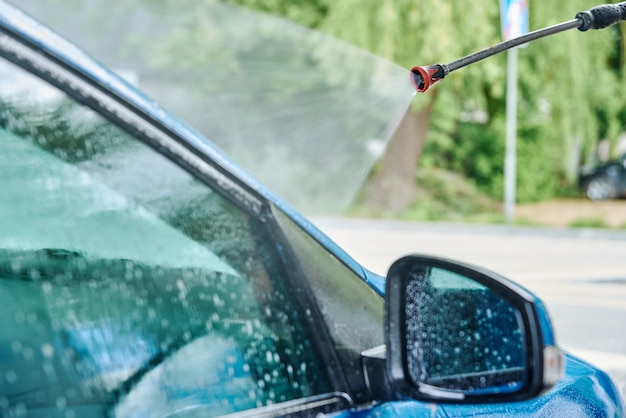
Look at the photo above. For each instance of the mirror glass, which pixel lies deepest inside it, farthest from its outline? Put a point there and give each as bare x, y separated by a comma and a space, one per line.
462, 336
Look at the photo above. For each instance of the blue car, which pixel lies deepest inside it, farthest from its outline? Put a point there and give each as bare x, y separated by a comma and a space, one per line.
143, 273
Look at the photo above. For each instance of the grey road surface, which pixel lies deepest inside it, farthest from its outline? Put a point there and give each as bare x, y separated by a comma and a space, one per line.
579, 273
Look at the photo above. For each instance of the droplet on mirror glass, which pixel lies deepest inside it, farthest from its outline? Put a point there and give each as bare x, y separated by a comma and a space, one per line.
217, 301
46, 287
47, 350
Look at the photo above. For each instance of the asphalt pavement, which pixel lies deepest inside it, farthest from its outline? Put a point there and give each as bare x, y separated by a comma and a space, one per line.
579, 273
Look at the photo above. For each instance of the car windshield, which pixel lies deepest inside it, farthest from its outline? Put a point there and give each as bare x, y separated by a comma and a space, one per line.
305, 113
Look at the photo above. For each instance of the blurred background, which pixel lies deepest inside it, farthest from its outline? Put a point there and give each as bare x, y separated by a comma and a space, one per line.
449, 165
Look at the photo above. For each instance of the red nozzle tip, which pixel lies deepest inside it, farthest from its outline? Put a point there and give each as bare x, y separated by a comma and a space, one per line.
423, 78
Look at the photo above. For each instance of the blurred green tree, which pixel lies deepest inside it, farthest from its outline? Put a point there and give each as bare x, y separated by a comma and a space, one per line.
570, 90
570, 97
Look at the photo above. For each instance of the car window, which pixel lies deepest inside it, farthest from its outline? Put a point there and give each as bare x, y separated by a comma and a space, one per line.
126, 285
352, 310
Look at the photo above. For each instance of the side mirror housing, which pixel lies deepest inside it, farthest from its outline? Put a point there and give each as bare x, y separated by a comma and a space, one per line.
455, 333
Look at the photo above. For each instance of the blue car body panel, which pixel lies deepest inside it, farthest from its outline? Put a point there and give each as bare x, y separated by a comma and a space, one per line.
584, 391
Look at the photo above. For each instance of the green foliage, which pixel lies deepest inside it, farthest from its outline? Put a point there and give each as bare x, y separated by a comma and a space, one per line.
449, 196
570, 96
441, 196
589, 223
308, 13
570, 84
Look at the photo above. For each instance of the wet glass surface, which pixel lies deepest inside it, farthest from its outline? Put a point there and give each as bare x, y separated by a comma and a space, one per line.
127, 285
462, 335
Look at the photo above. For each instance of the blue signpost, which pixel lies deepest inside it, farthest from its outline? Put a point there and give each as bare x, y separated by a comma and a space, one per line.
514, 17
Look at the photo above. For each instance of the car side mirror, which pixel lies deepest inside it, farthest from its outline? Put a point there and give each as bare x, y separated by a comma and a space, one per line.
459, 334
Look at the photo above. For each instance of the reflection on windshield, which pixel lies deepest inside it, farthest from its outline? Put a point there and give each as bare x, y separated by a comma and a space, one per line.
305, 113
198, 371
24, 221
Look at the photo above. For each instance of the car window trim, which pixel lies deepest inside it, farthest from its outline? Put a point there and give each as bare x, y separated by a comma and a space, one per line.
303, 407
306, 300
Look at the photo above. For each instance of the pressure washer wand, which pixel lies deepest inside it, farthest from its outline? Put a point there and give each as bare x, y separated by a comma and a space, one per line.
597, 17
